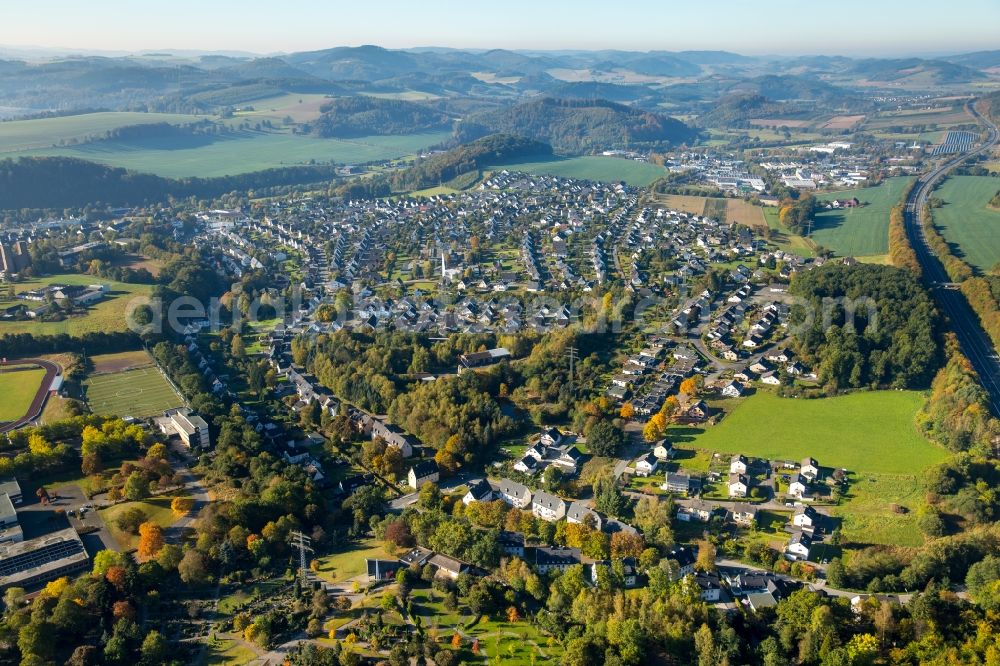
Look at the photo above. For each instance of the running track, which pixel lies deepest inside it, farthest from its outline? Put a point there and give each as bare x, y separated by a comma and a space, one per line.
38, 403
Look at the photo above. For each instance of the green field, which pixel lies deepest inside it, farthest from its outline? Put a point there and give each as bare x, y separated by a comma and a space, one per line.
18, 135
157, 510
240, 152
783, 238
869, 510
967, 223
862, 231
140, 393
349, 563
18, 388
105, 315
608, 169
864, 432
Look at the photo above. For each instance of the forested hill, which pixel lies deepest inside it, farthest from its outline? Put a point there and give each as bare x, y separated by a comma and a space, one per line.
579, 126
65, 182
364, 116
441, 168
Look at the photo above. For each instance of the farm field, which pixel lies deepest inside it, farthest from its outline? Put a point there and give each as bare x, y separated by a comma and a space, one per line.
735, 210
608, 169
138, 392
18, 387
241, 152
18, 135
865, 432
744, 212
966, 221
940, 116
862, 231
105, 315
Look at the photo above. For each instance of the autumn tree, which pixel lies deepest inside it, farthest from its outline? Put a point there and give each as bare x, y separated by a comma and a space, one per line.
150, 539
655, 428
627, 411
180, 506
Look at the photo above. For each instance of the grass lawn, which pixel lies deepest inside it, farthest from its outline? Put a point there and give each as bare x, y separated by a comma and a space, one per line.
241, 152
785, 239
859, 231
350, 562
865, 432
513, 643
966, 221
609, 169
139, 392
105, 315
868, 512
227, 652
157, 510
18, 386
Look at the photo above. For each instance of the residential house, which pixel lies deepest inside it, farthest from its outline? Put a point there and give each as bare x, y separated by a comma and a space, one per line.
547, 559
448, 567
548, 507
480, 490
744, 514
663, 450
738, 464
697, 511
511, 543
708, 586
798, 546
514, 494
646, 465
809, 469
677, 482
732, 389
805, 517
685, 557
551, 437
797, 487
738, 485
425, 471
580, 513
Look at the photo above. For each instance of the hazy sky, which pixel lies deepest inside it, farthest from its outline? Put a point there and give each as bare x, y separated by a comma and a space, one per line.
846, 27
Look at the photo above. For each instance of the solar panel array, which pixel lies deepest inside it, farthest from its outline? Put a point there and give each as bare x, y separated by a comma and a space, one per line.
36, 558
955, 142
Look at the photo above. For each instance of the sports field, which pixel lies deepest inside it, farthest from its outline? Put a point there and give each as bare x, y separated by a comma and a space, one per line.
862, 231
240, 152
865, 432
18, 386
591, 167
138, 392
966, 221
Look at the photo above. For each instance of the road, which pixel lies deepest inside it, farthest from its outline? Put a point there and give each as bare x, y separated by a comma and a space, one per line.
975, 343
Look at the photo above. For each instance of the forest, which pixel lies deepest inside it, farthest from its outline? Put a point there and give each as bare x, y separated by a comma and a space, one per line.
346, 117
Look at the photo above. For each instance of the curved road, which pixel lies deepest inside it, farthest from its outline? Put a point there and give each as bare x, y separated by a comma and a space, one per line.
975, 343
38, 402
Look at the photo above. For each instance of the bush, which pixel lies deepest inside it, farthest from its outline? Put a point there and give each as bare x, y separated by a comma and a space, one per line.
130, 519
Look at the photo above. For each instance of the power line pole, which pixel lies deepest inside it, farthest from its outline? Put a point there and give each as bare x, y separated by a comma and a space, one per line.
573, 354
302, 542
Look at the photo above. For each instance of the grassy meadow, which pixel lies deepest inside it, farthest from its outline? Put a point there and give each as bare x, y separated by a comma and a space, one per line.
598, 168
967, 222
862, 231
19, 135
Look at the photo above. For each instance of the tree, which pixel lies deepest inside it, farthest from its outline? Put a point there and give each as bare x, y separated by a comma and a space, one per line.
655, 428
608, 497
154, 649
150, 539
180, 506
604, 438
130, 519
136, 487
627, 411
692, 385
192, 568
706, 556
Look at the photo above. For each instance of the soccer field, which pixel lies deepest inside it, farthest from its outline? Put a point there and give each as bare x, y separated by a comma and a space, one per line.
967, 222
17, 389
140, 392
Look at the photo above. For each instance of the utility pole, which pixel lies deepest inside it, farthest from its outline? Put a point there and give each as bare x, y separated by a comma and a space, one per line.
573, 354
302, 542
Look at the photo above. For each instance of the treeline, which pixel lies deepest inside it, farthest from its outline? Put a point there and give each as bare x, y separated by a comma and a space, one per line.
579, 126
494, 149
901, 253
866, 325
65, 182
26, 344
364, 115
957, 412
983, 294
957, 270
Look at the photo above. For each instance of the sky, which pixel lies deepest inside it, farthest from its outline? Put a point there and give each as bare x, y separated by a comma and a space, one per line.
795, 27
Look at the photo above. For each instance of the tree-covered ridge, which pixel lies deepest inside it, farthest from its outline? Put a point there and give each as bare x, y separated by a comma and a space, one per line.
893, 340
494, 149
579, 126
364, 116
63, 182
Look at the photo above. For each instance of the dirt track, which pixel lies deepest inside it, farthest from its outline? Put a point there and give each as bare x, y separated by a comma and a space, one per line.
38, 402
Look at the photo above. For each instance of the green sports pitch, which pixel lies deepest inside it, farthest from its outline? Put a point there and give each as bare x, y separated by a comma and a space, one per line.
139, 392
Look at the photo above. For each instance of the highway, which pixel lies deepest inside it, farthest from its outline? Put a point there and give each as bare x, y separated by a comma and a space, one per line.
975, 343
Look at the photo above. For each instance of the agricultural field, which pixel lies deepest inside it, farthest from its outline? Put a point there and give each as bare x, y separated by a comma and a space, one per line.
865, 432
300, 107
105, 315
607, 169
130, 391
967, 222
732, 210
18, 386
20, 135
241, 152
940, 116
745, 213
862, 231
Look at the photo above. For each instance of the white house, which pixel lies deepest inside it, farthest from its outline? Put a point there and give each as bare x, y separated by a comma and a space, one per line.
804, 516
708, 586
809, 469
771, 378
423, 472
738, 485
732, 389
738, 464
480, 490
551, 437
646, 465
580, 513
548, 507
664, 450
797, 488
798, 546
514, 494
